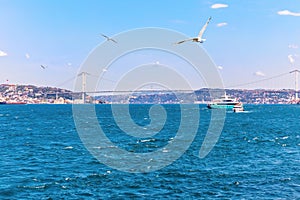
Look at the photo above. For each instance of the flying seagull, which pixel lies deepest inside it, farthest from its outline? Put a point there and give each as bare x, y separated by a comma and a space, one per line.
108, 38
199, 38
44, 67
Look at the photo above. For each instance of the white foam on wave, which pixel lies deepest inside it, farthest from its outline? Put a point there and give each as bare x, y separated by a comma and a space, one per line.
35, 187
285, 137
106, 147
165, 150
245, 111
69, 147
147, 140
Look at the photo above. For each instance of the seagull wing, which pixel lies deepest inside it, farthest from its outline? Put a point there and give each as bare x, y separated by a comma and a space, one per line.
184, 41
204, 28
113, 40
105, 36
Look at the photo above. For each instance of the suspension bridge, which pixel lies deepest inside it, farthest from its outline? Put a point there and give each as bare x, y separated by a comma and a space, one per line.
282, 83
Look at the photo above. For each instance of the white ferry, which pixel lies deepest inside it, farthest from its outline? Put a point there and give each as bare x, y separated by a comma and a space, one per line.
224, 102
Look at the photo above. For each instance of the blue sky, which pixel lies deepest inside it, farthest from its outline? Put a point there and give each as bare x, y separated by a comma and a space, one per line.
250, 40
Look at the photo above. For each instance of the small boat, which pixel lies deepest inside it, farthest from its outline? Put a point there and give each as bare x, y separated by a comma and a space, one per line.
225, 102
15, 102
238, 108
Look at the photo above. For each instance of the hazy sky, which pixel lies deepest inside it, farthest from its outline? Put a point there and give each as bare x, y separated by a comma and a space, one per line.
248, 40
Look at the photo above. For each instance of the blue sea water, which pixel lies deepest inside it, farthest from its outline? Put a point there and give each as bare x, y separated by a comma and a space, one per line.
257, 156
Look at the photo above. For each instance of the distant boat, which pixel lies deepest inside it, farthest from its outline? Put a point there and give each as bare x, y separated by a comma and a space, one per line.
224, 102
2, 102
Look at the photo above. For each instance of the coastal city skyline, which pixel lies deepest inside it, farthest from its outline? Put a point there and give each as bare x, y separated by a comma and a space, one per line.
44, 43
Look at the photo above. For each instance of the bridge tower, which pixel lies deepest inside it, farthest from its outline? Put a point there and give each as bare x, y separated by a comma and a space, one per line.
296, 83
83, 87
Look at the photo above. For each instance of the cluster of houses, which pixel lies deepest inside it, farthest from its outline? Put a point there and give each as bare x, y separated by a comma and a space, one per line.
28, 94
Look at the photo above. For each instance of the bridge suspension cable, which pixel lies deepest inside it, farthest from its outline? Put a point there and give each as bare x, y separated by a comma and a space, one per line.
258, 81
66, 81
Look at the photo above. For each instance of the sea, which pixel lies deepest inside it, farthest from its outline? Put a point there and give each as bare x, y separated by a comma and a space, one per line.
257, 156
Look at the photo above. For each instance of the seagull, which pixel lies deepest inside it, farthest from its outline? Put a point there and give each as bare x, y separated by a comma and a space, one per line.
108, 38
44, 67
199, 38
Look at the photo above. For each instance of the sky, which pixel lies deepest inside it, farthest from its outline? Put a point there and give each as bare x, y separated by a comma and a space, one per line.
247, 40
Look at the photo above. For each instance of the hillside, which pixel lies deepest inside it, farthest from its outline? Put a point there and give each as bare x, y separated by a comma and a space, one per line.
38, 94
